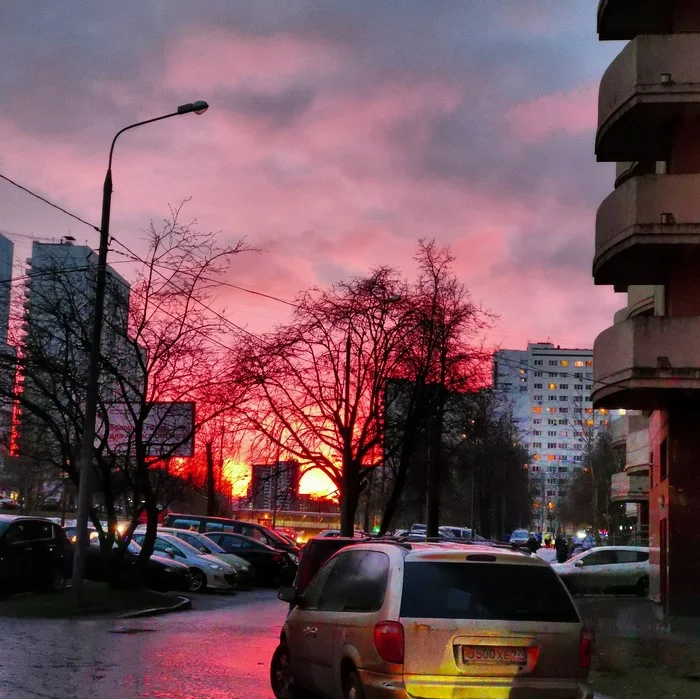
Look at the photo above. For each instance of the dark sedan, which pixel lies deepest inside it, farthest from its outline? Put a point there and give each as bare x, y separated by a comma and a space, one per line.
160, 574
270, 566
34, 552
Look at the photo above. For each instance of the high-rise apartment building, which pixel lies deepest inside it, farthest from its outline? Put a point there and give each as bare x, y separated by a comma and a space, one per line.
648, 244
546, 390
275, 486
6, 251
8, 353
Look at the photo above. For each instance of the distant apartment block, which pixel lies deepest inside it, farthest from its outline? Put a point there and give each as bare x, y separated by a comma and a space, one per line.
275, 486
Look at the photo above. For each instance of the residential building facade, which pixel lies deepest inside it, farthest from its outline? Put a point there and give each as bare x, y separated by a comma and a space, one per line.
547, 390
648, 244
275, 486
8, 353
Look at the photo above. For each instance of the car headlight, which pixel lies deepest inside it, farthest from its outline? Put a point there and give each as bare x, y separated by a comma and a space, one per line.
214, 566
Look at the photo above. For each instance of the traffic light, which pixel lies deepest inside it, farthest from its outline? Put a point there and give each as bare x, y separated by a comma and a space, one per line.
376, 524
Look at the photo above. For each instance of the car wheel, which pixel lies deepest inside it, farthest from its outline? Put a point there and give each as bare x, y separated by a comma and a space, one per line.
199, 580
282, 681
58, 580
352, 687
641, 589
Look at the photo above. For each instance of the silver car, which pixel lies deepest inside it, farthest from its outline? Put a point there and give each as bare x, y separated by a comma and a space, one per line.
607, 568
400, 620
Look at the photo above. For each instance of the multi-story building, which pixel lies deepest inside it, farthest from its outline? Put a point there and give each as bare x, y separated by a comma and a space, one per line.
6, 252
648, 233
275, 486
546, 388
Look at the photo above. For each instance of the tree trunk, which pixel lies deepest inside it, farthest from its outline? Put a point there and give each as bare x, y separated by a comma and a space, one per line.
211, 482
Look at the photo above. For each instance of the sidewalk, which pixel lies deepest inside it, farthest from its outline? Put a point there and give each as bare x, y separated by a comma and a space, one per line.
637, 654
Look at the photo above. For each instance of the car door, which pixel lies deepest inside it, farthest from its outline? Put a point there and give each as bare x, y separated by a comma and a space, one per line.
41, 548
596, 571
302, 626
14, 559
627, 570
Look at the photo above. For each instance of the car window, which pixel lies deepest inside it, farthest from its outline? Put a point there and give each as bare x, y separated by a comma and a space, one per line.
312, 593
631, 556
192, 524
366, 593
14, 534
341, 582
600, 558
436, 590
230, 542
37, 531
217, 527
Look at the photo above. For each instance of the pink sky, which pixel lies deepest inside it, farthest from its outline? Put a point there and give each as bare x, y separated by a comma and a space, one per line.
339, 134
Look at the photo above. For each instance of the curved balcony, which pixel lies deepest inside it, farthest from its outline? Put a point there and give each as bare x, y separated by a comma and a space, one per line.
616, 21
654, 80
642, 225
640, 363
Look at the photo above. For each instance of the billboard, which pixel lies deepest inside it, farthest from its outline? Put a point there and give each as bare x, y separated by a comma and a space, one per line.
168, 430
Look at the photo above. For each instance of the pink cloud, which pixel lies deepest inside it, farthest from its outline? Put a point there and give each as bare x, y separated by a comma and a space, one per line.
572, 112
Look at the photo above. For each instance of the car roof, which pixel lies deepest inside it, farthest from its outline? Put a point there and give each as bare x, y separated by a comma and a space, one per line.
242, 536
644, 549
16, 518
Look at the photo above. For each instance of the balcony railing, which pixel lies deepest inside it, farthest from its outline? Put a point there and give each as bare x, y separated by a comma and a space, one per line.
642, 225
642, 361
654, 80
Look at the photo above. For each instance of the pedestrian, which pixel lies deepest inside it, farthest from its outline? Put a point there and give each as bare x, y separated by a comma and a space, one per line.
532, 543
562, 548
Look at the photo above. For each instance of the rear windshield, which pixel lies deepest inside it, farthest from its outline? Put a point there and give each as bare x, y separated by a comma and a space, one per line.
485, 591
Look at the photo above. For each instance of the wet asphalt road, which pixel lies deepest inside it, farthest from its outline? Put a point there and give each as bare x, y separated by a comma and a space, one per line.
221, 650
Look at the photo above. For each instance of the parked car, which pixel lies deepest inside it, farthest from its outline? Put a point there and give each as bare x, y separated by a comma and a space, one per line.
336, 532
34, 553
270, 566
206, 571
383, 619
519, 537
607, 568
243, 569
161, 573
204, 525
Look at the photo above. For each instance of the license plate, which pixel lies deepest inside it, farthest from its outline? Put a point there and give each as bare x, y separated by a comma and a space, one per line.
494, 655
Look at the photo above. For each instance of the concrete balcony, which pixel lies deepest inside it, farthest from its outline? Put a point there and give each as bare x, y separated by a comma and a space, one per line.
644, 224
626, 487
654, 81
616, 20
643, 361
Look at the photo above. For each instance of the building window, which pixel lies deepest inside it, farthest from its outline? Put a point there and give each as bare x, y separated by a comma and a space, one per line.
563, 399
551, 457
537, 421
603, 422
538, 362
590, 423
578, 375
552, 433
561, 457
562, 421
537, 445
538, 385
578, 362
563, 469
589, 362
538, 397
538, 373
564, 362
536, 457
603, 411
552, 398
537, 409
551, 445
564, 386
563, 433
552, 386
562, 445
522, 371
523, 389
578, 387
551, 410
537, 433
553, 363
589, 411
551, 421
563, 410
577, 458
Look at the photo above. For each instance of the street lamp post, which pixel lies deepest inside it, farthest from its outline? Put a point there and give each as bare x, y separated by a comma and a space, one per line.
91, 391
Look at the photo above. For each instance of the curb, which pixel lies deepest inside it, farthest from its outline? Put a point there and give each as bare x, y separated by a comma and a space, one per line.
184, 604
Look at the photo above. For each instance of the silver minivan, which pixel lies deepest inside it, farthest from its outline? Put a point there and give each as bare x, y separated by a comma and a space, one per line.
384, 620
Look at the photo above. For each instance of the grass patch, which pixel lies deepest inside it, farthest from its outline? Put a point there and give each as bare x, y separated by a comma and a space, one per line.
626, 668
99, 599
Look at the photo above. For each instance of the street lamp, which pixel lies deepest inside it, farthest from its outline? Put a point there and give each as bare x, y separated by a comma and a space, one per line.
91, 390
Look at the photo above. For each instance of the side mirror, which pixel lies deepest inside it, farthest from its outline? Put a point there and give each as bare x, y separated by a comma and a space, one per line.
170, 552
203, 550
287, 594
578, 564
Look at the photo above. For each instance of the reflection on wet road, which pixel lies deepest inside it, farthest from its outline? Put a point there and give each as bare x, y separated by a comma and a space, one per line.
221, 650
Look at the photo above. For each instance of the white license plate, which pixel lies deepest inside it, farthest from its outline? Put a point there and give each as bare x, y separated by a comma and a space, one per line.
494, 655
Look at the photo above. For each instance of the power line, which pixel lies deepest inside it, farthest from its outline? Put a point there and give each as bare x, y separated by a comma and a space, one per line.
50, 203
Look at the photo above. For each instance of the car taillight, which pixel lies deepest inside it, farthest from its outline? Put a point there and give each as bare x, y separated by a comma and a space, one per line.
585, 648
388, 640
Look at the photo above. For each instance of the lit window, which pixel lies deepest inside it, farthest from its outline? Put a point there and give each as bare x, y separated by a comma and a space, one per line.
551, 410
551, 457
590, 423
536, 457
603, 411
522, 371
537, 409
603, 422
565, 362
552, 386
578, 362
589, 362
622, 411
